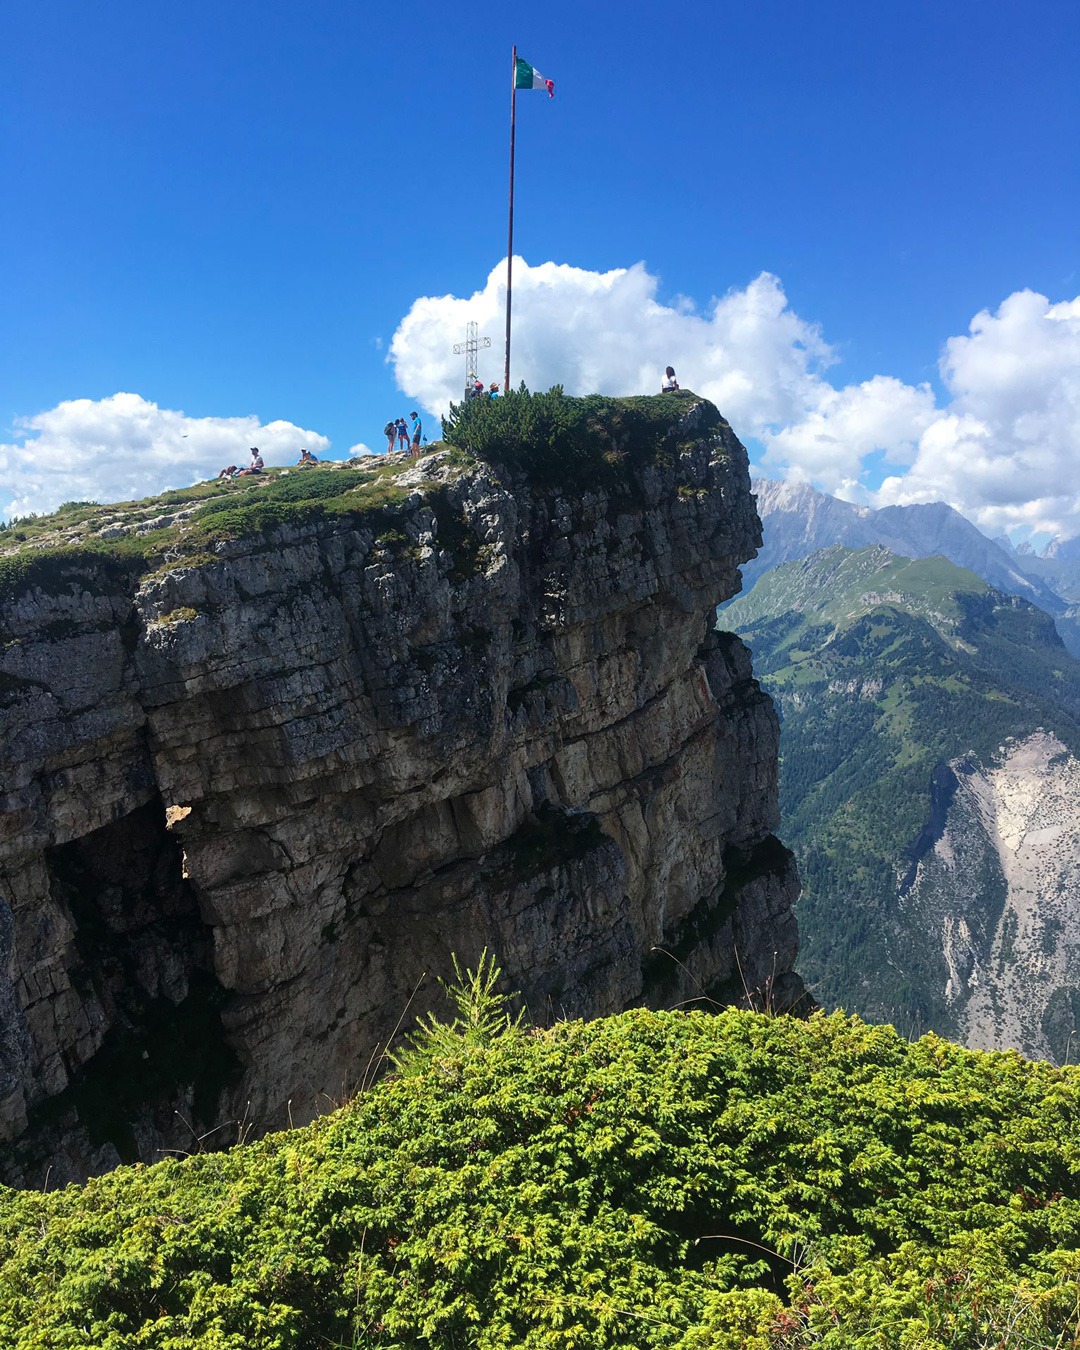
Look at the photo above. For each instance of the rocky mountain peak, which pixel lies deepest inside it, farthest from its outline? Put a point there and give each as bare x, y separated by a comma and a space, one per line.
798, 520
269, 765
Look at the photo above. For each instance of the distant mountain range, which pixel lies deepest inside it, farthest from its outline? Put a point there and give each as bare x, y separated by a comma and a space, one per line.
930, 778
1058, 568
798, 520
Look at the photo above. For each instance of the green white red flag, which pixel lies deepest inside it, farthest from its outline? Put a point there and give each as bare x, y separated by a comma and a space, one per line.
528, 77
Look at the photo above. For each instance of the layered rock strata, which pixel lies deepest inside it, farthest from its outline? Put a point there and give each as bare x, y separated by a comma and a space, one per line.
251, 807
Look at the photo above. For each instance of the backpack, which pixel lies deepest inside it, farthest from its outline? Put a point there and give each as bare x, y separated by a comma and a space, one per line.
390, 429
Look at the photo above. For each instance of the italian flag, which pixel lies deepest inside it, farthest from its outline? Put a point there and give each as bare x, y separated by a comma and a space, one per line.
528, 77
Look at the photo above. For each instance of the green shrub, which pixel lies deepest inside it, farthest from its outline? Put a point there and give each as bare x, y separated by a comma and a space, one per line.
731, 1182
175, 616
554, 440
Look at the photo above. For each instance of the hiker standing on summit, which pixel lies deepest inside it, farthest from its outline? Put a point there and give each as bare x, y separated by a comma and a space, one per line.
417, 431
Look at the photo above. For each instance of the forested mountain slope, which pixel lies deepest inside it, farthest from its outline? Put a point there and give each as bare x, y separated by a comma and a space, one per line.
931, 791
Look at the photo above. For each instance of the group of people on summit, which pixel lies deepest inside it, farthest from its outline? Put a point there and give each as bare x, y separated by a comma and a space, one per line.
405, 436
398, 430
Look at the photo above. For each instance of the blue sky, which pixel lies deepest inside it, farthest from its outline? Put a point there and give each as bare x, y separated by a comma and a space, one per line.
228, 209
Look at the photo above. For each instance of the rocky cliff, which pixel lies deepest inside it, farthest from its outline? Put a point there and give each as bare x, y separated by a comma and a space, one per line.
1013, 950
254, 799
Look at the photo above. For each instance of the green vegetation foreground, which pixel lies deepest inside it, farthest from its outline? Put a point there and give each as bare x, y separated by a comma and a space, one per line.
652, 1179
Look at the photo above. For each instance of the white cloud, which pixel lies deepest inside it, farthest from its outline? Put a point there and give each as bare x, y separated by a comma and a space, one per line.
123, 447
1006, 448
833, 438
1003, 446
605, 332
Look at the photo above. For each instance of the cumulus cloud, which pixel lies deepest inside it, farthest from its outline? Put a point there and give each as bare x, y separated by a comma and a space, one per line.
605, 332
1006, 447
124, 447
1001, 442
1002, 445
844, 426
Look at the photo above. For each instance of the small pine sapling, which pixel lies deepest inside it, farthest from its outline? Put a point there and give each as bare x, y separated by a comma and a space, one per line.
483, 1018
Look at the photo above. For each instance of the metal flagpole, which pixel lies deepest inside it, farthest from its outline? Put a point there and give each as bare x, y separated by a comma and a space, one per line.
510, 228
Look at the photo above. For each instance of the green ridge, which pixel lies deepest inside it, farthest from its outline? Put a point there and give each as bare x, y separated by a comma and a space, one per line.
547, 439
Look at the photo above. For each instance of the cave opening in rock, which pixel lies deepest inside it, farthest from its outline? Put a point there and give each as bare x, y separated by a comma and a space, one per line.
143, 970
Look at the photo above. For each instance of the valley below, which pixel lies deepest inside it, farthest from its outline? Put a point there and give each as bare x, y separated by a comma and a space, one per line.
930, 787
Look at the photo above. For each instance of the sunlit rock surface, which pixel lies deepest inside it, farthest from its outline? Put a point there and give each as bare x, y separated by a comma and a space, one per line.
252, 806
1013, 953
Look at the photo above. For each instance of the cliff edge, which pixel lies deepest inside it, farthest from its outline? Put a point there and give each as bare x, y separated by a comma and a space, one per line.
261, 778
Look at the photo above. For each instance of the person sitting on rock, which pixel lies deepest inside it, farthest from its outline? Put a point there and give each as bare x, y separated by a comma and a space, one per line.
306, 457
670, 383
230, 471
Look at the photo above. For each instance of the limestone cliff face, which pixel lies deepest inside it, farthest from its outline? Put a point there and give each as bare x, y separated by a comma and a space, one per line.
252, 806
1000, 886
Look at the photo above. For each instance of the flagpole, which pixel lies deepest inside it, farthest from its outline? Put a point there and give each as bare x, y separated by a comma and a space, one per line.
510, 227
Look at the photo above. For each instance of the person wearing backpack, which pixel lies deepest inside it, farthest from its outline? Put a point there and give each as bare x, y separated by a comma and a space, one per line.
390, 432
